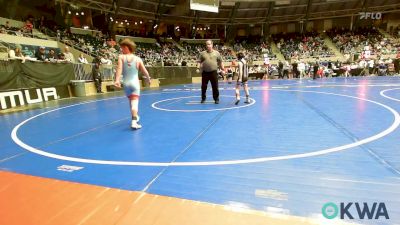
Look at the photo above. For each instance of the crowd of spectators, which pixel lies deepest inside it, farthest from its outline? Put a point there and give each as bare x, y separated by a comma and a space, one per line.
26, 30
296, 46
396, 32
43, 54
327, 68
296, 49
255, 51
362, 41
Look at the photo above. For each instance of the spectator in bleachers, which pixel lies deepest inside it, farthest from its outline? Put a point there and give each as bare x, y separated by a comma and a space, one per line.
105, 60
69, 57
28, 27
51, 57
82, 59
28, 53
41, 54
58, 35
62, 59
42, 23
111, 43
16, 54
7, 25
19, 33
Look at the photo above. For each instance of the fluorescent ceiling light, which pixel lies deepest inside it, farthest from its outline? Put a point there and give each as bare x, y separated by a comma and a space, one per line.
201, 7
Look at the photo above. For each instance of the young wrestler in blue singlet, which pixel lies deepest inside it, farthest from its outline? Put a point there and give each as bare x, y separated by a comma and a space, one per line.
129, 66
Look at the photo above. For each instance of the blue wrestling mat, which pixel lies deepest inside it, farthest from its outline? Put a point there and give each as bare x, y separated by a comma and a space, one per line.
298, 145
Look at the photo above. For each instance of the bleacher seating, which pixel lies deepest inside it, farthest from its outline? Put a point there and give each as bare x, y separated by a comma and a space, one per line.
296, 46
363, 39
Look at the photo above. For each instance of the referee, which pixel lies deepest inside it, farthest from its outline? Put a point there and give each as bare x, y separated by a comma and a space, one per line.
210, 60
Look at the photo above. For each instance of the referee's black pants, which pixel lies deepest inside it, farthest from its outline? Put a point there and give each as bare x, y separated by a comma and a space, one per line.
213, 77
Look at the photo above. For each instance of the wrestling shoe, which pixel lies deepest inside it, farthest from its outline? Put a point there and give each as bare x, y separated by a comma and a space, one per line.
135, 125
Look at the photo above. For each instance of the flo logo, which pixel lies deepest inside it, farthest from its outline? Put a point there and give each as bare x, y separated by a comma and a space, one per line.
348, 210
369, 15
